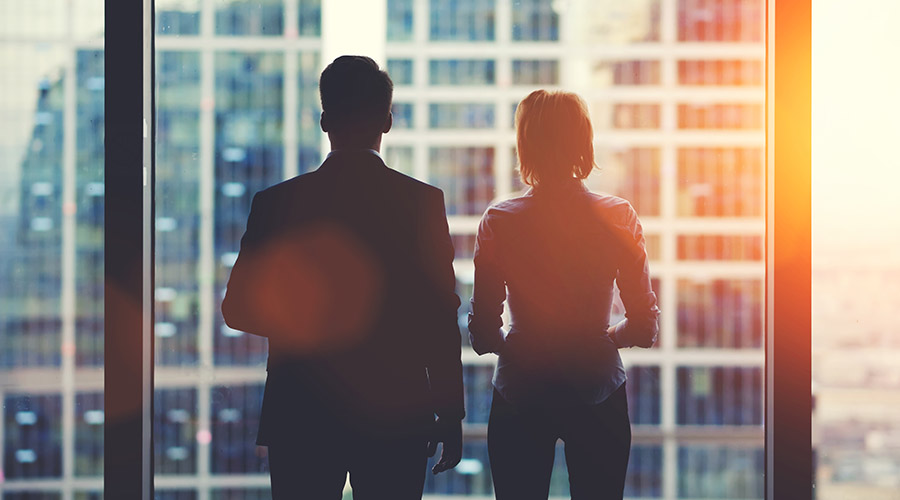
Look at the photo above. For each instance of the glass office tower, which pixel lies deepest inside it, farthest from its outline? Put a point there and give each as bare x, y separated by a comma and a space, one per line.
676, 93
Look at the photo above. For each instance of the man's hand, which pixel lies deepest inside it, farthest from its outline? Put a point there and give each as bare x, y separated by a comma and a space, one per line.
449, 433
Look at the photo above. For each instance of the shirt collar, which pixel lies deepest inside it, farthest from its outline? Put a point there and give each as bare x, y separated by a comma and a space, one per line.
566, 186
339, 151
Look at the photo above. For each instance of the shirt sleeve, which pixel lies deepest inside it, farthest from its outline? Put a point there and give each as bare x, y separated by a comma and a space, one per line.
489, 292
641, 324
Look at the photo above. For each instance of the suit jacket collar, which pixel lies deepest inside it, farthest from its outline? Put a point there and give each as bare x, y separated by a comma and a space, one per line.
352, 159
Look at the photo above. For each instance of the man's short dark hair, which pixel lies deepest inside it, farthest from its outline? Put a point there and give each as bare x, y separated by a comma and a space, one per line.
356, 96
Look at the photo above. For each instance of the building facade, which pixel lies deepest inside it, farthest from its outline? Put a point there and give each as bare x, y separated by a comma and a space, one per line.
676, 93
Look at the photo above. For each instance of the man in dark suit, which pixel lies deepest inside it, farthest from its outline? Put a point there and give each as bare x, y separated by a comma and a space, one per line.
348, 272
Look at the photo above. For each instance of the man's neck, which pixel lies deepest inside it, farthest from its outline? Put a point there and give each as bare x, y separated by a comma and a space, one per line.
338, 145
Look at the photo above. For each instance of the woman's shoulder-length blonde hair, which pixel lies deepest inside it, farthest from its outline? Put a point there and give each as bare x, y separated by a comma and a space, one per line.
554, 137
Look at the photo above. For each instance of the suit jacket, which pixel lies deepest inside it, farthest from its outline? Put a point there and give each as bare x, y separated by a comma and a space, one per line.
348, 272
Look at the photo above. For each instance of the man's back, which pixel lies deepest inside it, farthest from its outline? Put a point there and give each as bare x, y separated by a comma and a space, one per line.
348, 271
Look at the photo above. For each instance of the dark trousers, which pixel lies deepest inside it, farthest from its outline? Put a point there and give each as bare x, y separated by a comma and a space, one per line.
315, 466
522, 444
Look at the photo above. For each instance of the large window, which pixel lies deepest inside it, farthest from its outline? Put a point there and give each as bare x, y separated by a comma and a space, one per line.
51, 249
676, 90
237, 111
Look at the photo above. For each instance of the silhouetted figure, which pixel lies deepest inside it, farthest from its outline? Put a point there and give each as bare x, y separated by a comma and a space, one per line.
348, 271
553, 255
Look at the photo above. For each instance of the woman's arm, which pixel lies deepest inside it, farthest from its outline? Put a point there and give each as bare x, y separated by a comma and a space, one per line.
641, 324
489, 292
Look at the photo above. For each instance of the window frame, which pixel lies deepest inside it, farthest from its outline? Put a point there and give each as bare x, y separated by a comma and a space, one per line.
129, 232
128, 243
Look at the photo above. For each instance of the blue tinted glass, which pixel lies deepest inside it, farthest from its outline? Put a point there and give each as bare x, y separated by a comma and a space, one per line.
399, 20
31, 266
461, 115
235, 418
719, 471
466, 175
643, 395
479, 390
32, 446
720, 396
167, 494
400, 158
309, 133
462, 20
461, 72
177, 185
535, 71
471, 477
178, 19
248, 158
403, 115
250, 17
32, 495
644, 479
241, 494
89, 418
535, 20
401, 71
175, 431
309, 17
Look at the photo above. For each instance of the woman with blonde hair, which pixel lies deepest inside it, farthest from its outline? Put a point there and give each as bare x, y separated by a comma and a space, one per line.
553, 255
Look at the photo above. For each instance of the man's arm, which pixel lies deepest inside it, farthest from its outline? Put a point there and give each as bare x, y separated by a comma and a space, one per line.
443, 347
237, 308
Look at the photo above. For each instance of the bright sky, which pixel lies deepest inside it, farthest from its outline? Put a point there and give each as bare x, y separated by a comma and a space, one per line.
856, 130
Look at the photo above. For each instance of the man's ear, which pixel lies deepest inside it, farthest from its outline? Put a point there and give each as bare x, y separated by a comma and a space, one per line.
323, 122
388, 123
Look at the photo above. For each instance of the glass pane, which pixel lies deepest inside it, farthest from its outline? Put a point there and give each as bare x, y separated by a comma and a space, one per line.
249, 17
51, 249
856, 263
462, 20
238, 110
233, 116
